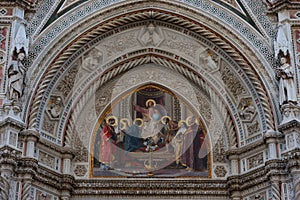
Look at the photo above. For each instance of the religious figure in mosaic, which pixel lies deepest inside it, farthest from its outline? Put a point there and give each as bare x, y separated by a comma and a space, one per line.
287, 88
108, 138
177, 141
168, 131
132, 140
16, 78
148, 111
193, 141
151, 141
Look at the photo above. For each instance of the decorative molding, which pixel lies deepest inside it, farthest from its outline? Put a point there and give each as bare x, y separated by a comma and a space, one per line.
267, 110
158, 187
220, 171
35, 109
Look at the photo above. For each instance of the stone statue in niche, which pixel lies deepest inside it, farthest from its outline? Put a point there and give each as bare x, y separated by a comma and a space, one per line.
55, 107
16, 78
151, 35
287, 87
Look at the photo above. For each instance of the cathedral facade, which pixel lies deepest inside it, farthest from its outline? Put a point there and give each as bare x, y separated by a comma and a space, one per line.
147, 99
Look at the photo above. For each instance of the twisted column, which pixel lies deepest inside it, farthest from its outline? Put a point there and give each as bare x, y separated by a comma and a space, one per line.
296, 183
26, 190
4, 186
275, 190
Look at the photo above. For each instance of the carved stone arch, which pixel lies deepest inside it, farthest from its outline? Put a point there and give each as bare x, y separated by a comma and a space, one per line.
221, 108
191, 100
191, 28
209, 17
139, 60
219, 125
190, 24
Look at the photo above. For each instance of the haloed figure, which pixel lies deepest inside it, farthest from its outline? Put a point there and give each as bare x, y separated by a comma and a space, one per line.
108, 138
177, 141
148, 111
168, 131
193, 141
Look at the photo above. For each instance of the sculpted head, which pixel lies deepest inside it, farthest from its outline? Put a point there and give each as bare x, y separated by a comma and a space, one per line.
21, 56
283, 60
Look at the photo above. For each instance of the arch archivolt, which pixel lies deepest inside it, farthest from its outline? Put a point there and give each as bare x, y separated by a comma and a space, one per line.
228, 79
189, 24
77, 100
94, 101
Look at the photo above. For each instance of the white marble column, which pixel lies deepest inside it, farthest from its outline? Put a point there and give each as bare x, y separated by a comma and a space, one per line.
30, 146
234, 164
67, 163
31, 140
271, 140
67, 166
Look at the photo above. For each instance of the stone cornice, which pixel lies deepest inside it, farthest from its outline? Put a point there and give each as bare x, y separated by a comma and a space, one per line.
9, 155
291, 125
56, 148
27, 166
257, 176
280, 5
292, 158
54, 179
245, 149
150, 187
12, 121
27, 5
67, 182
275, 168
29, 133
272, 134
247, 180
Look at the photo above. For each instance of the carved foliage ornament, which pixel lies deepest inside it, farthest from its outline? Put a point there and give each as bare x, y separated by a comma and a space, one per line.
232, 83
220, 171
255, 161
80, 170
65, 86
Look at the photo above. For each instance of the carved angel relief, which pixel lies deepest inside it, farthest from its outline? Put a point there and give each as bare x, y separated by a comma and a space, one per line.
248, 115
66, 84
151, 35
246, 109
209, 60
92, 60
55, 106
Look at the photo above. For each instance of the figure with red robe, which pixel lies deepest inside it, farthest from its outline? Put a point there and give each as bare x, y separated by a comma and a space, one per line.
108, 138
